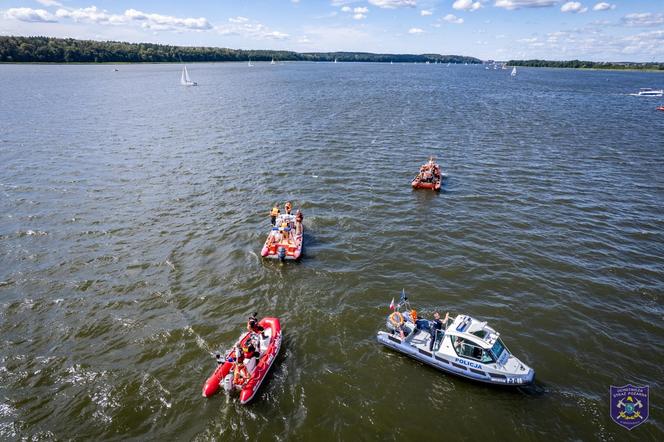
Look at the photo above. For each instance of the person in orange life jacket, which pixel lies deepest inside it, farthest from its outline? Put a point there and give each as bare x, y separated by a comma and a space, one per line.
274, 213
240, 373
436, 325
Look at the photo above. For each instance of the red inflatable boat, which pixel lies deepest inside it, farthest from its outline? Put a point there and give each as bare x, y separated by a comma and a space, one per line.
268, 351
429, 177
660, 108
284, 242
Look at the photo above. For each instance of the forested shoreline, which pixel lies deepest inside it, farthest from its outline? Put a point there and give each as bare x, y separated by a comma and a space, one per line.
579, 64
68, 50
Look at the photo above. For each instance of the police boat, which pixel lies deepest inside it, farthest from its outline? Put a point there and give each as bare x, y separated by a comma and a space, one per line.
464, 346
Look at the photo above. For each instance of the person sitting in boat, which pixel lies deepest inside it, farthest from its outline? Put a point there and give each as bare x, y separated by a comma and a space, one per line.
437, 325
240, 373
250, 357
288, 207
274, 213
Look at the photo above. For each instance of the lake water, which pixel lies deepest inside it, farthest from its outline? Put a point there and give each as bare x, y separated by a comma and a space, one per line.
133, 210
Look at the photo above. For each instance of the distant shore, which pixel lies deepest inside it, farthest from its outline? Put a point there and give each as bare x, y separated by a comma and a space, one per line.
67, 50
595, 65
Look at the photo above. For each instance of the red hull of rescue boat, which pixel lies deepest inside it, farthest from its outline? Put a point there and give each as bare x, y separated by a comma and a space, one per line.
261, 370
417, 184
293, 250
660, 108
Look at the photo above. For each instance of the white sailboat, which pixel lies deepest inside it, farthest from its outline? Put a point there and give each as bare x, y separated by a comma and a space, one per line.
335, 60
249, 64
513, 74
185, 80
273, 62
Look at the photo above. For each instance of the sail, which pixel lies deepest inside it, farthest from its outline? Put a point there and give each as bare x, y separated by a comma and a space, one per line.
183, 79
514, 71
186, 75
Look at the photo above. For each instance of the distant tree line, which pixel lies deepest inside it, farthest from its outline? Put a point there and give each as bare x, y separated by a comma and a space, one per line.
578, 64
68, 50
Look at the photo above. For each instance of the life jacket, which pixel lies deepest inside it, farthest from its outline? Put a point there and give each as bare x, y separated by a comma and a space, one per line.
413, 315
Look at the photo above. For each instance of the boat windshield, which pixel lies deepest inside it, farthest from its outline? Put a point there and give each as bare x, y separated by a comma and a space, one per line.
498, 348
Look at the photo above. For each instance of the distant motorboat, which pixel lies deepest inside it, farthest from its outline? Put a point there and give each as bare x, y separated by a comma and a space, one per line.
649, 92
427, 62
185, 80
513, 74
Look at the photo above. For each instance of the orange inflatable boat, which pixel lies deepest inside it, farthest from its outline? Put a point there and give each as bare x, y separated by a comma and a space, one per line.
429, 176
284, 242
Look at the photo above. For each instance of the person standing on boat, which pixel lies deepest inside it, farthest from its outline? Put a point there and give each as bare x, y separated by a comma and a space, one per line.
288, 207
437, 325
274, 213
254, 327
298, 222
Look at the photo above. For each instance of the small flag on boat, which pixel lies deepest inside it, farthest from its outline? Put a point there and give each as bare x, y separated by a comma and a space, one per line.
392, 304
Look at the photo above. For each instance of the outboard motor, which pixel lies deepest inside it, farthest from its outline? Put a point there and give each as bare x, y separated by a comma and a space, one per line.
227, 383
281, 253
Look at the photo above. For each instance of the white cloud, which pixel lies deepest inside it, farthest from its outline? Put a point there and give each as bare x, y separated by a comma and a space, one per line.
90, 15
161, 22
518, 4
426, 12
249, 29
30, 15
573, 7
49, 3
346, 9
238, 19
466, 5
359, 16
152, 21
603, 6
392, 4
415, 31
361, 10
643, 19
451, 18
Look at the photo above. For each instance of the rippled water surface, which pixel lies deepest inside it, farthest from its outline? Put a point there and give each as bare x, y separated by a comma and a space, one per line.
133, 210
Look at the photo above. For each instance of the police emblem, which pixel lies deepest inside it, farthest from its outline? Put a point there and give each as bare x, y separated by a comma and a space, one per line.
629, 405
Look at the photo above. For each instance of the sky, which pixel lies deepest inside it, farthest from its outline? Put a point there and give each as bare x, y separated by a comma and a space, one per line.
617, 30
